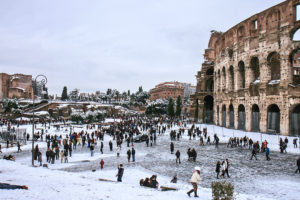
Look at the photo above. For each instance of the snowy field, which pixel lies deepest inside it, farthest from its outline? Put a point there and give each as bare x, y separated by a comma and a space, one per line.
252, 179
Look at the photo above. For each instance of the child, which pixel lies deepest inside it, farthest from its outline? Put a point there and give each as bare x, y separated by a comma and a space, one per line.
61, 156
101, 163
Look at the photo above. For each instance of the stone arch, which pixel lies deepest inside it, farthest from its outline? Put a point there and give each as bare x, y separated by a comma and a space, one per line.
242, 81
241, 117
254, 69
295, 121
255, 118
295, 65
223, 78
218, 115
274, 65
208, 114
219, 79
224, 115
231, 116
231, 73
273, 119
210, 71
209, 84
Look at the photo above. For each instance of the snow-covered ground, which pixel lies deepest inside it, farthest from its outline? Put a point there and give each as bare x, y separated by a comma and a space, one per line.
260, 179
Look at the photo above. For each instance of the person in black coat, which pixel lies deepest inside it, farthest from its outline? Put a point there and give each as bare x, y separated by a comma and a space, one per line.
253, 154
177, 156
120, 173
128, 155
172, 147
218, 168
298, 165
110, 145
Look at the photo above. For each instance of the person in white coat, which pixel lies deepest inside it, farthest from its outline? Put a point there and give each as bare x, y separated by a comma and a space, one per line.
194, 181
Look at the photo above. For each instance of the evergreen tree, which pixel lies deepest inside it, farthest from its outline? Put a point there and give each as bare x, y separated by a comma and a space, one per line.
178, 106
64, 95
128, 92
171, 111
140, 89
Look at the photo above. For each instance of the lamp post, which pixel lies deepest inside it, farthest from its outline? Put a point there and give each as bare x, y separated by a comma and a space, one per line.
42, 81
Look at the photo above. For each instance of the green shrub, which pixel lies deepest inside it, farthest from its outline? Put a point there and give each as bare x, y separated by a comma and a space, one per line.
222, 190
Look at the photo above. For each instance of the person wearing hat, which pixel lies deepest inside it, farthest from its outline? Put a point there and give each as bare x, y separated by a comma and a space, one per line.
194, 181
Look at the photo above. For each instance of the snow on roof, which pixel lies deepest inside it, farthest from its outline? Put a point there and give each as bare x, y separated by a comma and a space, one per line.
19, 88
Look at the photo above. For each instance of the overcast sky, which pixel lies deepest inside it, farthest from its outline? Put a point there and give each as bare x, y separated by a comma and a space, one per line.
122, 44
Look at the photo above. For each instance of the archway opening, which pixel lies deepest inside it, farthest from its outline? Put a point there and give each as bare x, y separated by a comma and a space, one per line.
295, 121
255, 118
224, 116
273, 124
209, 85
208, 114
241, 117
274, 64
231, 72
254, 66
231, 116
218, 115
295, 64
242, 75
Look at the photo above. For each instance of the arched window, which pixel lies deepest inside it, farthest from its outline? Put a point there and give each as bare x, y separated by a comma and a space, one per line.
254, 66
224, 116
242, 117
231, 72
224, 78
295, 121
295, 64
273, 123
242, 74
210, 71
274, 64
231, 116
255, 118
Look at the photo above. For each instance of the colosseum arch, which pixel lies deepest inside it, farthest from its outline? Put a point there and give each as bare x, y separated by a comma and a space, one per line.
209, 85
241, 80
208, 114
210, 71
295, 66
224, 115
254, 69
295, 121
231, 116
273, 120
274, 65
241, 117
231, 73
255, 118
219, 80
223, 78
218, 115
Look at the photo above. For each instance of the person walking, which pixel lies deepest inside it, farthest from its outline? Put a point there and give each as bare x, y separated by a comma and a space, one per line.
172, 147
298, 165
253, 154
177, 156
218, 169
101, 147
118, 151
128, 155
19, 147
194, 181
133, 154
92, 149
61, 156
110, 145
101, 164
226, 167
120, 172
40, 158
267, 154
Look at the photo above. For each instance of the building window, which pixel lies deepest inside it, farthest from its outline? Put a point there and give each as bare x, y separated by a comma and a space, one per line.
298, 12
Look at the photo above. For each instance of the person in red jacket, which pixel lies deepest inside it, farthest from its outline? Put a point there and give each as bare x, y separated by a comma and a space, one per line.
101, 163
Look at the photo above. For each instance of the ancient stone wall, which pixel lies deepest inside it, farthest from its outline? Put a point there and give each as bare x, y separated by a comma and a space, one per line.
256, 72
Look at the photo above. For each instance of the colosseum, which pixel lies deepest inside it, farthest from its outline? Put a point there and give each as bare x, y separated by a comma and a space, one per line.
250, 79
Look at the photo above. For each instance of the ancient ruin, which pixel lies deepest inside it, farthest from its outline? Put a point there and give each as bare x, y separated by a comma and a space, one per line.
250, 79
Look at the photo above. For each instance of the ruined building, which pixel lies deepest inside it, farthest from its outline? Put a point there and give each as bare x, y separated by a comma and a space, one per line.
15, 86
250, 79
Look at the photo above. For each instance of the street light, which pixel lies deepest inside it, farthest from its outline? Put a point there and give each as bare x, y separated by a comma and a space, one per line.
44, 82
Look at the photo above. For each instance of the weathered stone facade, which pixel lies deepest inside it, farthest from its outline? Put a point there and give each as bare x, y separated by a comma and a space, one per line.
16, 85
167, 90
256, 74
